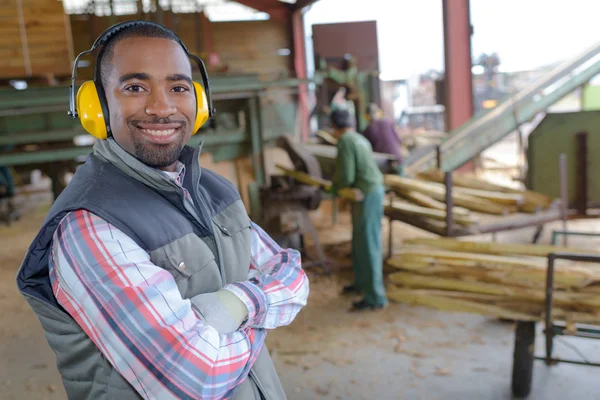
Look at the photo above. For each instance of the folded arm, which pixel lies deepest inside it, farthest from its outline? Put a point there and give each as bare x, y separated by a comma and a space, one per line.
277, 288
133, 311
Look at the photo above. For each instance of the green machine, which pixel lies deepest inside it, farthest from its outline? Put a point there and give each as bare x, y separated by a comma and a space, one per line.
577, 136
36, 133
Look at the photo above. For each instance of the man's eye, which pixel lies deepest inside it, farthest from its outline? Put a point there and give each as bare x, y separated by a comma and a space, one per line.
180, 89
134, 88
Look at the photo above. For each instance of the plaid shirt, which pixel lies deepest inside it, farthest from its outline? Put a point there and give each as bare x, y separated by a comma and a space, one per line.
133, 311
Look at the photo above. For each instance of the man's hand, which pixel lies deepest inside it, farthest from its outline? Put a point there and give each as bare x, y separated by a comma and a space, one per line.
351, 194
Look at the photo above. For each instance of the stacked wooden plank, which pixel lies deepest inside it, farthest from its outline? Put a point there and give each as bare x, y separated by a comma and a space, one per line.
500, 280
427, 193
35, 39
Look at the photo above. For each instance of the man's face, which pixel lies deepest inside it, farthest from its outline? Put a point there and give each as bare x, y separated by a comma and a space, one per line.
151, 99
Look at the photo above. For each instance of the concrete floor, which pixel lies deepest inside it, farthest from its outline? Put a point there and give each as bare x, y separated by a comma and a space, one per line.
403, 352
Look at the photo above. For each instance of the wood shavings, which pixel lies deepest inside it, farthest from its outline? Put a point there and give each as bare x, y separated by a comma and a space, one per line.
416, 372
340, 362
321, 390
477, 340
411, 353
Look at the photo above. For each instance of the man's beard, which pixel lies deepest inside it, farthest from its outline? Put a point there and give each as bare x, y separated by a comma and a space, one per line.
157, 155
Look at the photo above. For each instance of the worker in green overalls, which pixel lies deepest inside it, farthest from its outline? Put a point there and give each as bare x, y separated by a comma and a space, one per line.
356, 168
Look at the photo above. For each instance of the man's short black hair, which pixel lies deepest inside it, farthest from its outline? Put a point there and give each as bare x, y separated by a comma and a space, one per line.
105, 57
341, 119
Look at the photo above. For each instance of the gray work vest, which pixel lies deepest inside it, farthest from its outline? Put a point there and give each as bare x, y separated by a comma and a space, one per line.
214, 245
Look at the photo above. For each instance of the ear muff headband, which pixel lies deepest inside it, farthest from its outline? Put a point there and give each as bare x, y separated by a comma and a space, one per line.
90, 102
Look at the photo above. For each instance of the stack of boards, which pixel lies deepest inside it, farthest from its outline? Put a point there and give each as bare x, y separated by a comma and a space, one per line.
35, 39
424, 198
501, 280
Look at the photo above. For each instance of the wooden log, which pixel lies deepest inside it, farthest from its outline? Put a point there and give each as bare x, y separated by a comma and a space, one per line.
532, 200
434, 299
427, 224
438, 191
422, 199
512, 199
419, 211
563, 299
521, 271
487, 305
539, 250
351, 194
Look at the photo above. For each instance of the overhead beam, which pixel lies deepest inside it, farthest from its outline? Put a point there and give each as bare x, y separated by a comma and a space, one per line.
301, 4
457, 64
276, 9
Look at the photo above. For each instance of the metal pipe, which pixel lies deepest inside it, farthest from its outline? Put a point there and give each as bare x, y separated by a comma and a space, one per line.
562, 170
390, 232
558, 360
582, 172
549, 289
449, 216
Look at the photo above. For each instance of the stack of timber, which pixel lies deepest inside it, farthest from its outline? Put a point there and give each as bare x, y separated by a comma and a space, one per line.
35, 39
498, 280
423, 200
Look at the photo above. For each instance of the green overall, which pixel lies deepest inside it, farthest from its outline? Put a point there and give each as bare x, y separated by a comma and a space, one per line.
356, 168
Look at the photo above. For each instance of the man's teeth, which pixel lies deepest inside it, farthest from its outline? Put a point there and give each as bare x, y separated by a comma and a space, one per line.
162, 132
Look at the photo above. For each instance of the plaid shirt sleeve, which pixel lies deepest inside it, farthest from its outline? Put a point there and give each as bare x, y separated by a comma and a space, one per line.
277, 287
133, 311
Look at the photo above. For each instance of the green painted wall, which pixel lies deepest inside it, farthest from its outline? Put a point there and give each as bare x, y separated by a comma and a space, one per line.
556, 134
591, 98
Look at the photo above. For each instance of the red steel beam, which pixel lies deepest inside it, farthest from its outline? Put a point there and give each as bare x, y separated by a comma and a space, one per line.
301, 72
275, 8
457, 59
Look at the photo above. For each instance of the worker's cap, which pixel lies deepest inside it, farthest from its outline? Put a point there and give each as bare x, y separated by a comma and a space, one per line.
341, 119
373, 109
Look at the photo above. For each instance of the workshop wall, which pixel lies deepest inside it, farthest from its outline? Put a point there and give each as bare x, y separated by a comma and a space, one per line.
248, 47
35, 39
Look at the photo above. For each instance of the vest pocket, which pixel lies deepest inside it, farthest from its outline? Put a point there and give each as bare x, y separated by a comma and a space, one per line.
192, 264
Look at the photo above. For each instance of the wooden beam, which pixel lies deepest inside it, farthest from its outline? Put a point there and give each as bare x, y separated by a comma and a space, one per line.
276, 9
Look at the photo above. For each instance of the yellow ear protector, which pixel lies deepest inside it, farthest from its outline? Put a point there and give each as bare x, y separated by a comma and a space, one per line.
90, 103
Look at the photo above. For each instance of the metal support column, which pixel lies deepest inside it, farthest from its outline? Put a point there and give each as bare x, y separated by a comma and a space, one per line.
564, 198
582, 173
458, 86
254, 123
301, 73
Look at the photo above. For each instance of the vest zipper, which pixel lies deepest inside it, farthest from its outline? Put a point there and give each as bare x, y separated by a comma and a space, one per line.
209, 223
261, 389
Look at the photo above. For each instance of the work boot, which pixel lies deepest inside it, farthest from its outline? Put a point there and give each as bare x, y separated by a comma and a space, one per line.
364, 306
351, 289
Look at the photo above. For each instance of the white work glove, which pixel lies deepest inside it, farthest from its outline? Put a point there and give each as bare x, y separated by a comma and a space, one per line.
222, 310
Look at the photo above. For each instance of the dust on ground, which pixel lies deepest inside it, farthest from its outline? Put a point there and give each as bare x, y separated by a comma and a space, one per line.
402, 352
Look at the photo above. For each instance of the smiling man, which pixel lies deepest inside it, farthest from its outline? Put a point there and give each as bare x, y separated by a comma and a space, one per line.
147, 275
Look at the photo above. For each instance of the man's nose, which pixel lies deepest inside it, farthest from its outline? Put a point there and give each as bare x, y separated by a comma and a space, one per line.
160, 104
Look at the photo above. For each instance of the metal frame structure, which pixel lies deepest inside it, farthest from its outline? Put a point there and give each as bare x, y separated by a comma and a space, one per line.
517, 221
524, 354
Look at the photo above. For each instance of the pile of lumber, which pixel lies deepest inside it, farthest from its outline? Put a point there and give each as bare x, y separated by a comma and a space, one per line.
499, 280
424, 198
